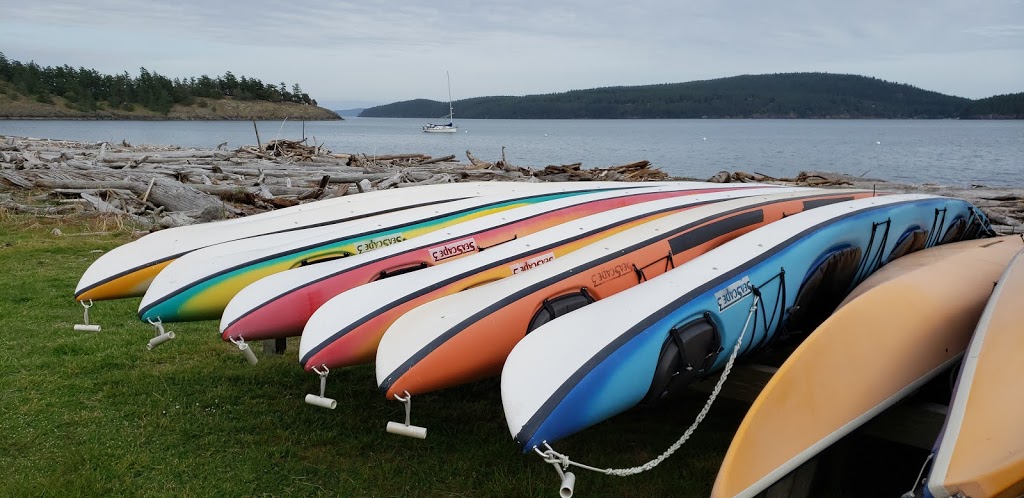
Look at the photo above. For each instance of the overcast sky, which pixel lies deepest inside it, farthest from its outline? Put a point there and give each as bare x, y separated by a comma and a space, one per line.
355, 54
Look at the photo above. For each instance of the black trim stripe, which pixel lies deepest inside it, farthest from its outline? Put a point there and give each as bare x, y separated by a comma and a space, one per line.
825, 202
545, 410
162, 299
685, 237
471, 234
702, 235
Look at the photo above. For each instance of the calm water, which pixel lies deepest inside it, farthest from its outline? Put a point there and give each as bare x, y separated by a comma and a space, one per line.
945, 152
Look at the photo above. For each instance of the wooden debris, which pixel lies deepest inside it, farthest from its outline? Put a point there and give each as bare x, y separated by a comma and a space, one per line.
170, 186
477, 164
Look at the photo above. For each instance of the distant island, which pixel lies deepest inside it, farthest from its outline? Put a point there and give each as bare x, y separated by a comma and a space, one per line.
784, 95
350, 112
31, 91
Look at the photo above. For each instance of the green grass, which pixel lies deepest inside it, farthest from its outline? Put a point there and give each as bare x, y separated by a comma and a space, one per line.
97, 414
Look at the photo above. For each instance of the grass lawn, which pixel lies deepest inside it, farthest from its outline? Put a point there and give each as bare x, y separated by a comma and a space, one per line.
97, 414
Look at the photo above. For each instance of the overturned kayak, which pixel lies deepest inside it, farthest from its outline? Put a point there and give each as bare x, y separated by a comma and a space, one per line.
346, 329
656, 338
467, 336
127, 270
280, 304
901, 329
980, 452
198, 285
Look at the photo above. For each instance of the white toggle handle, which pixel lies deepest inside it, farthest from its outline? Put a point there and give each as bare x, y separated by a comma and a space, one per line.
408, 429
161, 335
321, 400
86, 326
250, 356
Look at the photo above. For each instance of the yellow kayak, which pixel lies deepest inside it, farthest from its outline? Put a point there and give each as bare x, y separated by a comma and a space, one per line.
981, 450
906, 323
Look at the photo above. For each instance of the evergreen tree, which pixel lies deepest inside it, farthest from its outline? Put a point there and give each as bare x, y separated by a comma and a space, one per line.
85, 89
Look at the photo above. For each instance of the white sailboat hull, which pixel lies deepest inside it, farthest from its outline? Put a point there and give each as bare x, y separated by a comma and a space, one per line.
440, 129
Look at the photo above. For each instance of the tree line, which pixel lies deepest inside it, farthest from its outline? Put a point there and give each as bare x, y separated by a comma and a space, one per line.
1009, 106
787, 95
85, 89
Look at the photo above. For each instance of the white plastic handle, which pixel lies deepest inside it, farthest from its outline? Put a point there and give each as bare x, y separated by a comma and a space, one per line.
160, 339
407, 430
321, 401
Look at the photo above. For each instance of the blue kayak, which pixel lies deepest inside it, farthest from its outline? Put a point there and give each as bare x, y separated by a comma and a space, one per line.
648, 342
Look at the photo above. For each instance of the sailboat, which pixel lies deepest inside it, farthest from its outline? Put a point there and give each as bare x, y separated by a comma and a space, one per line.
444, 128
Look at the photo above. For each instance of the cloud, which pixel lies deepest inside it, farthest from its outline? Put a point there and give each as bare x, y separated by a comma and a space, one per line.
1002, 31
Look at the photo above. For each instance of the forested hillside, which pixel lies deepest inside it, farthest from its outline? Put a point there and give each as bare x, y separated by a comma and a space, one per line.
87, 91
1010, 106
789, 95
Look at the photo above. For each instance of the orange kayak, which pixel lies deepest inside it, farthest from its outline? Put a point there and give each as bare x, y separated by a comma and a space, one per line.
981, 450
467, 336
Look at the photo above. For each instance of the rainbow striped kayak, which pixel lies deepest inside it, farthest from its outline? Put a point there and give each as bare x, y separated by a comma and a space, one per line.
280, 304
198, 285
127, 270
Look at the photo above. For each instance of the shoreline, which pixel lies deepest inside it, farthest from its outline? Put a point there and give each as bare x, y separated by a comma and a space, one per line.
147, 118
85, 178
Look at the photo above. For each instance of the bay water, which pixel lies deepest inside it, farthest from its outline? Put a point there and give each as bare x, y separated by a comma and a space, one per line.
944, 152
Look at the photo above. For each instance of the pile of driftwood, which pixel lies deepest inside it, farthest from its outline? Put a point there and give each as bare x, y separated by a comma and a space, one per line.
162, 186
1004, 207
804, 179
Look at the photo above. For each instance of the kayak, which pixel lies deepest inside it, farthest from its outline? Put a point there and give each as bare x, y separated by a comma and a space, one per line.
648, 342
127, 270
980, 452
198, 285
279, 305
907, 323
467, 336
346, 330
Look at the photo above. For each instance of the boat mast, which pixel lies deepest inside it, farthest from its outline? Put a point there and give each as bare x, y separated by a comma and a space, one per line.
451, 115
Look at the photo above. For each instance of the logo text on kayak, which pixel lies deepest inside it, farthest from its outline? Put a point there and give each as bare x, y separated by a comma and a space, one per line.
379, 242
532, 263
733, 293
611, 273
452, 249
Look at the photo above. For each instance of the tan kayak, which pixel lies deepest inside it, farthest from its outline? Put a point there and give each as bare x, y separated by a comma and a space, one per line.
905, 325
981, 450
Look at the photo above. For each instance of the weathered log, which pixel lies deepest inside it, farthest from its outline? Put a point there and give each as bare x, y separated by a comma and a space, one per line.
340, 191
477, 164
488, 174
1000, 219
101, 205
36, 210
390, 182
92, 191
433, 180
175, 196
16, 179
392, 157
450, 157
721, 177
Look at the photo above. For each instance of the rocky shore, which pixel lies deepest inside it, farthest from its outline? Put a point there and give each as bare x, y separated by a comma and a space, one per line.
154, 186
